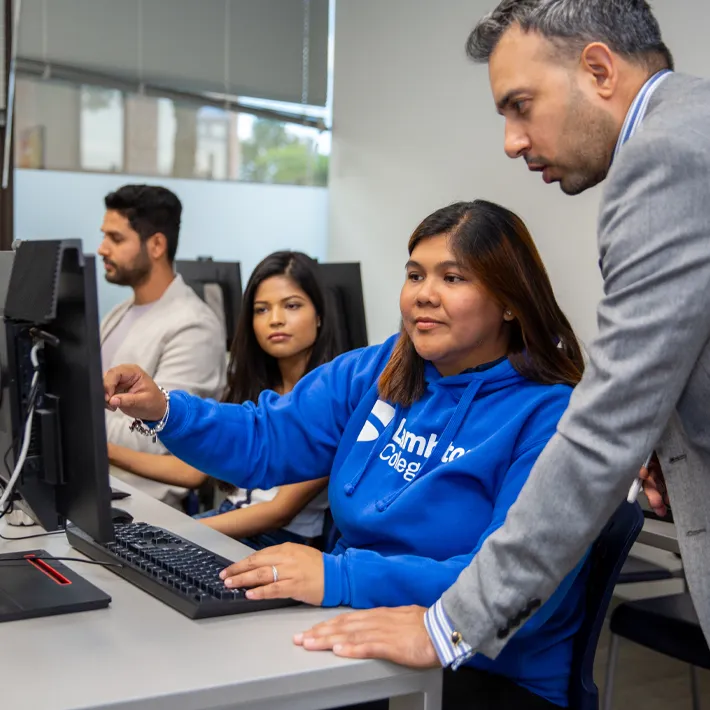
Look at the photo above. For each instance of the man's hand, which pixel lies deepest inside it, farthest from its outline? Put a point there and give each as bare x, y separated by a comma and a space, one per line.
397, 635
654, 487
130, 389
299, 569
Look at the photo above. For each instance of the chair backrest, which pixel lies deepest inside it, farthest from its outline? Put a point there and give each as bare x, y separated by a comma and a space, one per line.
605, 562
331, 534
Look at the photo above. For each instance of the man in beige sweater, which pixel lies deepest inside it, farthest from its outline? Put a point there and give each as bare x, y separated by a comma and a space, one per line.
164, 327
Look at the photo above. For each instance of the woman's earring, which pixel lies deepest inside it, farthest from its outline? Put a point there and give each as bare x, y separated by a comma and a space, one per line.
509, 313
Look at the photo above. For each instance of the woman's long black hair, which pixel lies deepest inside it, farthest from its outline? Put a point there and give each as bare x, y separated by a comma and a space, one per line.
251, 370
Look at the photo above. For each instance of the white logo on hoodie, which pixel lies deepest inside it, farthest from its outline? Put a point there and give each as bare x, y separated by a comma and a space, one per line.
407, 441
384, 413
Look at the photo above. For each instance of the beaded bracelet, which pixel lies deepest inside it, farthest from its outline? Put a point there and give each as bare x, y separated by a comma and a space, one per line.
140, 426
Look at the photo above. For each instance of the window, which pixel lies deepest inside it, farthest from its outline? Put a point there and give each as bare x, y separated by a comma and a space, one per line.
47, 125
212, 153
276, 152
167, 125
61, 126
102, 121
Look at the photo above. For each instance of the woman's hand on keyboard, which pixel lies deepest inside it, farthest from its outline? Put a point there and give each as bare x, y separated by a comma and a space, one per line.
131, 390
299, 574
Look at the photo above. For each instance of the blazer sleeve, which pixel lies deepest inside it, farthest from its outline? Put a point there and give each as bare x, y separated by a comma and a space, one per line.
653, 324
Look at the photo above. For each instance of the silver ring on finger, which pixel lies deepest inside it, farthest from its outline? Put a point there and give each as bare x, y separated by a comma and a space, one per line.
276, 573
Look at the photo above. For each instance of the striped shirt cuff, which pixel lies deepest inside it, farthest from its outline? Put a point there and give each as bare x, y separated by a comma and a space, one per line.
441, 633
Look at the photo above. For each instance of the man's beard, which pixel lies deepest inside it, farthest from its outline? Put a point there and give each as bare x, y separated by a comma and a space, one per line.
588, 138
132, 275
585, 148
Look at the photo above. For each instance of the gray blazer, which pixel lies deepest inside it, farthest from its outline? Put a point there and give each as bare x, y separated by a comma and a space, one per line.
179, 342
647, 383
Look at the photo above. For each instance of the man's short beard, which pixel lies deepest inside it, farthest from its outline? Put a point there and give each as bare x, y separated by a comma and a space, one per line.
133, 275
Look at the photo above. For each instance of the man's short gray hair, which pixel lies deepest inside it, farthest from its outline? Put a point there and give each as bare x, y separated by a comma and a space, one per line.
627, 27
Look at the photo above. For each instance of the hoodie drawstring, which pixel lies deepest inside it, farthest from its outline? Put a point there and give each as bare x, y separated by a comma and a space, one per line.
442, 444
386, 436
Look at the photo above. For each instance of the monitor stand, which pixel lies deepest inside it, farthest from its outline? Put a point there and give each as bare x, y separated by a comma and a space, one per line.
33, 584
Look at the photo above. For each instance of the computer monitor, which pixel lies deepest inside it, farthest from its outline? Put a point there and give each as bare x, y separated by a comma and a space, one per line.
6, 437
51, 314
343, 286
219, 285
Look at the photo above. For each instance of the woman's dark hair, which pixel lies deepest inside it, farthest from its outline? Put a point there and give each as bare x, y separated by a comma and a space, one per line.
251, 370
494, 243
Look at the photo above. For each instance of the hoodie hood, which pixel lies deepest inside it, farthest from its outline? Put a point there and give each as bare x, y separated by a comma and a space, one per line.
449, 400
493, 376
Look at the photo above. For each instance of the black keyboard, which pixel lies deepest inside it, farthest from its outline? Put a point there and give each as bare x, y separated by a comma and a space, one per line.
176, 571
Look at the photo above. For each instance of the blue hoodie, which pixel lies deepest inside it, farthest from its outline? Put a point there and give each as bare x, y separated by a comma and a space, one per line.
414, 491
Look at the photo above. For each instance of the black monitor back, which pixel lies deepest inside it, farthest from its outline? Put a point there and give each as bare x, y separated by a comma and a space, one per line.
219, 284
6, 436
65, 477
343, 286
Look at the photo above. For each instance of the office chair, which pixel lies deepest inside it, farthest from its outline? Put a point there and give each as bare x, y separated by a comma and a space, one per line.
605, 563
330, 536
200, 499
667, 625
637, 570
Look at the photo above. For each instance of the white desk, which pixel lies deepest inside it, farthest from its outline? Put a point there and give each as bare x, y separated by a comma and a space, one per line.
140, 654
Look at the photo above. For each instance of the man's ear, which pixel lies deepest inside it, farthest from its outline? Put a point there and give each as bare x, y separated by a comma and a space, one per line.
157, 246
599, 66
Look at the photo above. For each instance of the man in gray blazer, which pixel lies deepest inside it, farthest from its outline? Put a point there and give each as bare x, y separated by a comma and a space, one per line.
587, 94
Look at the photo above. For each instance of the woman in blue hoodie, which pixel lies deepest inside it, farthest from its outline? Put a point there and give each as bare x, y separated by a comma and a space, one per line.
429, 438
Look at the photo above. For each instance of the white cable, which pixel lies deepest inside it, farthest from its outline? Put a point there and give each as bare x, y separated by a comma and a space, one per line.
27, 434
34, 359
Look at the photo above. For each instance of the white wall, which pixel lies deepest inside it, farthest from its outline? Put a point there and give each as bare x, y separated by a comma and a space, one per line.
415, 129
225, 220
